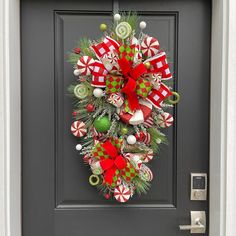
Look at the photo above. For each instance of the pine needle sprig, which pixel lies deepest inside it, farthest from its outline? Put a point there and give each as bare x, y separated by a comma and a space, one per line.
73, 58
131, 18
155, 137
84, 45
141, 185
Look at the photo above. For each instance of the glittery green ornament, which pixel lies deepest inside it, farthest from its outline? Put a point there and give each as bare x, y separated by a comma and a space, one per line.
124, 130
103, 27
102, 124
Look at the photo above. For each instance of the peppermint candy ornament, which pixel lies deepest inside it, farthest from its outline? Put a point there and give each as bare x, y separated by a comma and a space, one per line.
150, 46
165, 120
122, 193
78, 129
85, 65
147, 156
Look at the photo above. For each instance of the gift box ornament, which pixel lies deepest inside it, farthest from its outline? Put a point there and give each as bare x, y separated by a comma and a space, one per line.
116, 99
139, 116
113, 84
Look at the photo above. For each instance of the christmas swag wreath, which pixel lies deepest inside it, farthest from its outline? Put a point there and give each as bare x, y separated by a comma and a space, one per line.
120, 95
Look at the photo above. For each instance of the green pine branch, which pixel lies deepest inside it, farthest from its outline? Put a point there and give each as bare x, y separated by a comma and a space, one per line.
141, 185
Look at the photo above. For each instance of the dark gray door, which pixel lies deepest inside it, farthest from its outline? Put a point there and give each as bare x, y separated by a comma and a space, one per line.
57, 199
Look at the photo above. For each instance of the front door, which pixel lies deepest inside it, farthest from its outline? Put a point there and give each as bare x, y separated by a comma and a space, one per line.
57, 199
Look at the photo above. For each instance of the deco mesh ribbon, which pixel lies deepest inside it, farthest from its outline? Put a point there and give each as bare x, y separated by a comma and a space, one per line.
121, 95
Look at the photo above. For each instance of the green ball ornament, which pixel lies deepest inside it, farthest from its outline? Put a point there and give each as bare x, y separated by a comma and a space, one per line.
103, 27
124, 130
102, 124
147, 65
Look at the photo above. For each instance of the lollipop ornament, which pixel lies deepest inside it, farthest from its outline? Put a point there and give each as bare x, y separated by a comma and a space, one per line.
123, 30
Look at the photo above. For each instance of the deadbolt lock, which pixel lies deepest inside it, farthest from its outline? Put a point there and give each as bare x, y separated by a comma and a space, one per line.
198, 187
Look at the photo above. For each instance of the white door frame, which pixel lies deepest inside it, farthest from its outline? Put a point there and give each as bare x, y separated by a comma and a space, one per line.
222, 119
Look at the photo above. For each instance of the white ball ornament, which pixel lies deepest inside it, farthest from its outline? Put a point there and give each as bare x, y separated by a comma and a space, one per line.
98, 93
142, 25
131, 139
117, 17
158, 141
78, 147
76, 72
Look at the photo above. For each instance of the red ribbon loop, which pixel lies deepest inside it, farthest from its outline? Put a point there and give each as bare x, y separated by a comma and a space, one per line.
110, 165
131, 75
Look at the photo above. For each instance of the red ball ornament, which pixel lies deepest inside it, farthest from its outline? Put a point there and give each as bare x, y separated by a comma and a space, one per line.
90, 107
107, 195
77, 50
74, 113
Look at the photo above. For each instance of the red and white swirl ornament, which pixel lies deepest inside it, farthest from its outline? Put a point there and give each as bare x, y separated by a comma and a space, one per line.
78, 129
85, 65
148, 122
145, 173
150, 46
144, 137
165, 120
148, 156
122, 193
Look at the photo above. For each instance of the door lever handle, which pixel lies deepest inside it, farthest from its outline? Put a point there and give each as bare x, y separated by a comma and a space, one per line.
198, 223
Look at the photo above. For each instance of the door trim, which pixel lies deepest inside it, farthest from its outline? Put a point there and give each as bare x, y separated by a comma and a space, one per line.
222, 118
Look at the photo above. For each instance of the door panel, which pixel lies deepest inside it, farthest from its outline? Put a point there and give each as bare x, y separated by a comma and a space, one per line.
71, 174
57, 199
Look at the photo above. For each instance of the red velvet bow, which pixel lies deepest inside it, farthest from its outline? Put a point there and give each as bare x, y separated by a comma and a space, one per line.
131, 75
111, 164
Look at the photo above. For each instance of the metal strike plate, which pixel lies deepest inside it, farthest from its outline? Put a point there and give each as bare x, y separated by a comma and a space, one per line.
198, 187
198, 223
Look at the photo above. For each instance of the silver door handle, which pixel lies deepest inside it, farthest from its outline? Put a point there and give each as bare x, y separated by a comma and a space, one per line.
198, 223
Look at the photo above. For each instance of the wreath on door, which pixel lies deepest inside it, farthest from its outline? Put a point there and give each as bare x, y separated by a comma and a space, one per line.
121, 96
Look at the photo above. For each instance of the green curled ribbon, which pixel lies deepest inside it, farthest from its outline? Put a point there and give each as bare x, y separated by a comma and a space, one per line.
94, 180
176, 100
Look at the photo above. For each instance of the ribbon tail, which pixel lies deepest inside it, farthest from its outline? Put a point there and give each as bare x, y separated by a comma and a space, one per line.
133, 101
109, 174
